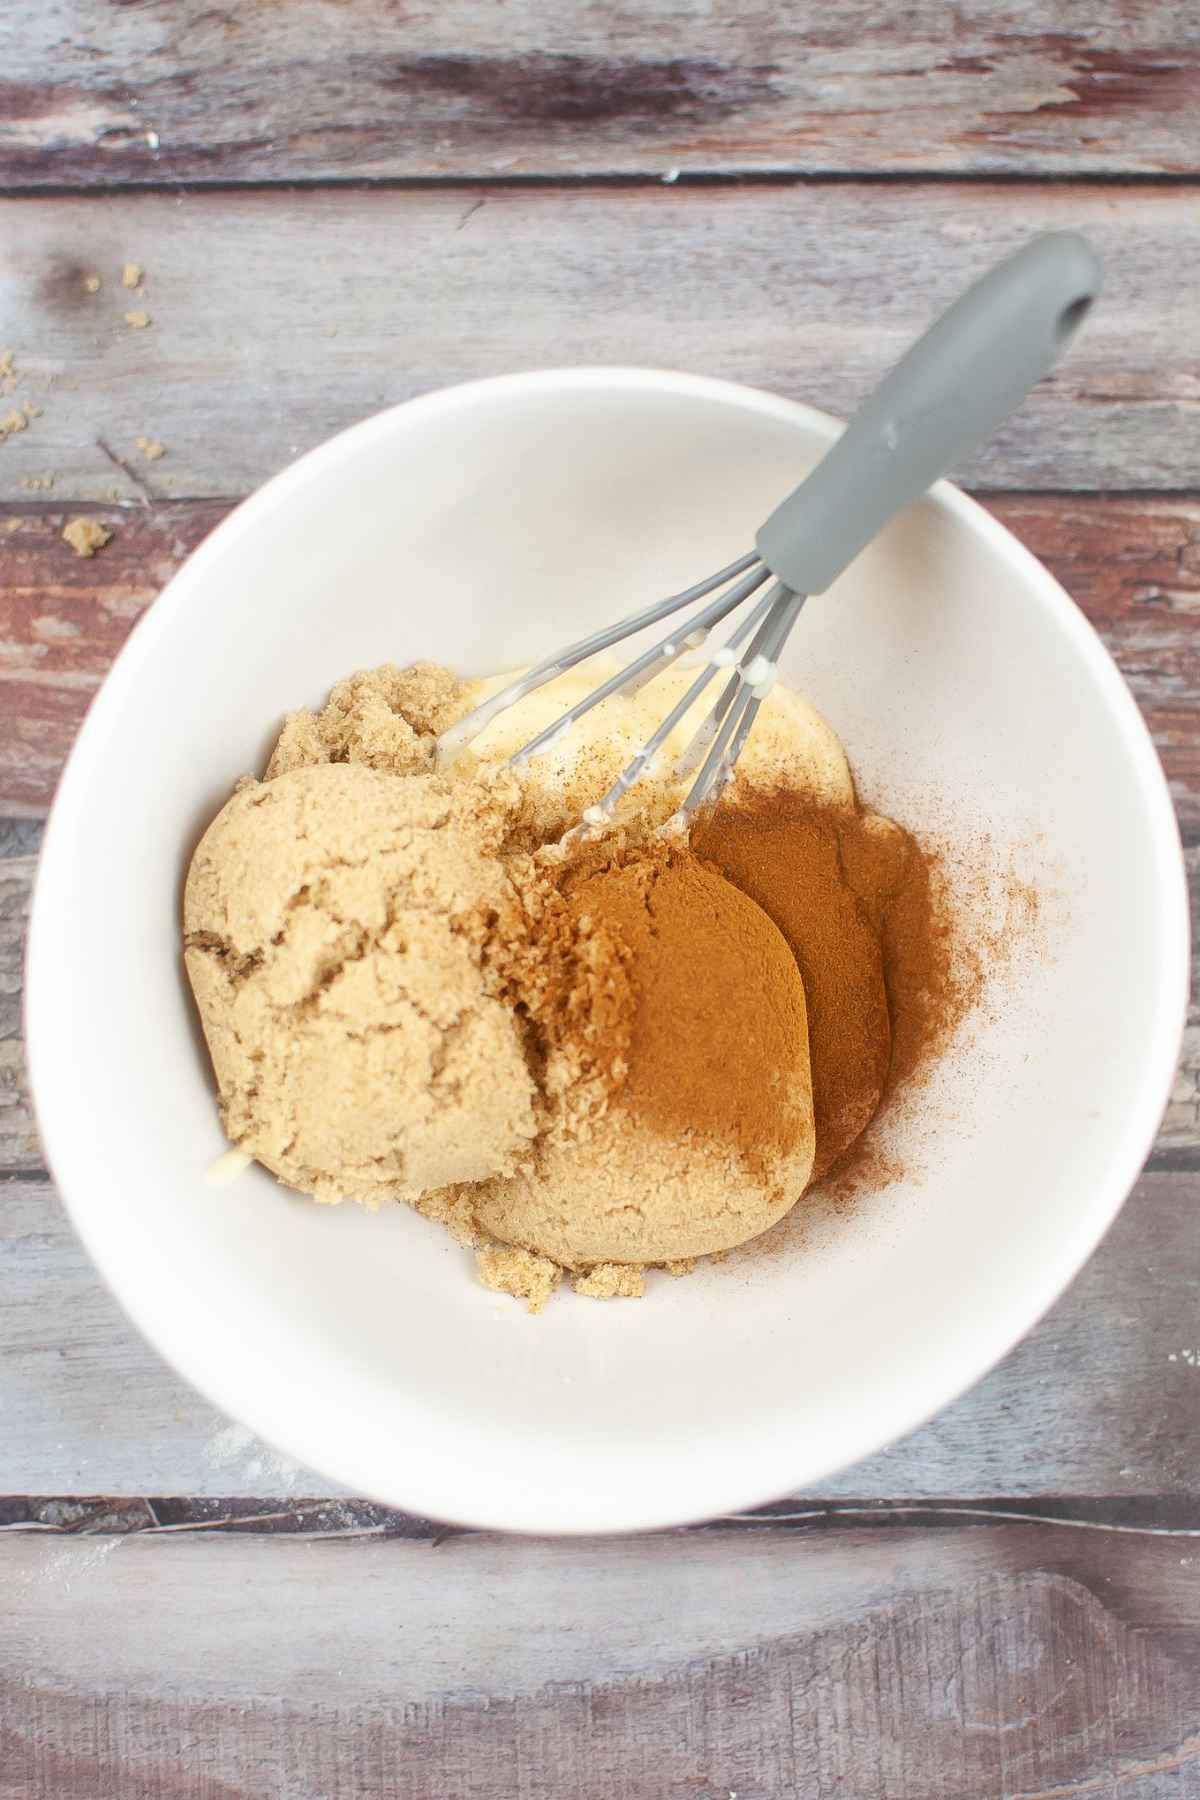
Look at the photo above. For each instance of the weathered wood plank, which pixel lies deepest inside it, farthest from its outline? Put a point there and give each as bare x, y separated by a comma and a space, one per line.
1099, 1400
279, 317
19, 1147
64, 617
162, 92
1133, 565
925, 1665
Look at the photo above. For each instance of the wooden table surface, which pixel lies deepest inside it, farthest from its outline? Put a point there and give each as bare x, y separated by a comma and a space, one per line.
337, 205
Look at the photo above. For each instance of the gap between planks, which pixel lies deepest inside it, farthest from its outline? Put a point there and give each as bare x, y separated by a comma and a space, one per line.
494, 185
319, 1519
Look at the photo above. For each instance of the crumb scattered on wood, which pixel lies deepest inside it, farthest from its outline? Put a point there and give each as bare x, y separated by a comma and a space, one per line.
131, 275
11, 525
37, 482
150, 448
6, 362
139, 320
17, 420
91, 284
85, 536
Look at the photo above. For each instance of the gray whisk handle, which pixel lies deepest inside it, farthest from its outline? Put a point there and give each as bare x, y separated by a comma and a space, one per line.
959, 381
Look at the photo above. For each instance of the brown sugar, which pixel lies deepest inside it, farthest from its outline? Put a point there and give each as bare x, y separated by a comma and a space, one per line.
86, 536
507, 1269
611, 1281
387, 718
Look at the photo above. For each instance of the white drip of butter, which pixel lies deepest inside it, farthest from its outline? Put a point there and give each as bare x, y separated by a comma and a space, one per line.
225, 1169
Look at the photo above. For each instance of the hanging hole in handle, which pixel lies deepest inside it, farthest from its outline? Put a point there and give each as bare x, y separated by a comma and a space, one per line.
1072, 317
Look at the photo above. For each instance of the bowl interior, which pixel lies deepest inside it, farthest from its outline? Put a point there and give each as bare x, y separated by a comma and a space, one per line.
481, 527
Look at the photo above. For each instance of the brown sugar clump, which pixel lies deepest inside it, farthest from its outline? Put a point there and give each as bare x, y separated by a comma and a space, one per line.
131, 275
86, 536
150, 448
336, 921
137, 319
507, 1269
387, 718
611, 1281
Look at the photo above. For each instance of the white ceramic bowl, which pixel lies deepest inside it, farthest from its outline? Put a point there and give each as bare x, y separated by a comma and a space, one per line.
480, 526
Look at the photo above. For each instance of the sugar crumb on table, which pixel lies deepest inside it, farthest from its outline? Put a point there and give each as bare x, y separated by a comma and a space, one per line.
150, 448
131, 275
18, 418
138, 320
86, 536
91, 284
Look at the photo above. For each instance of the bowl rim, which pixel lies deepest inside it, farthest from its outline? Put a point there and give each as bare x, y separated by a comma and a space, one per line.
751, 1479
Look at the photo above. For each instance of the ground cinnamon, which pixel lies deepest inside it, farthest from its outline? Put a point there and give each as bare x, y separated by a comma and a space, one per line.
718, 1040
705, 1137
858, 900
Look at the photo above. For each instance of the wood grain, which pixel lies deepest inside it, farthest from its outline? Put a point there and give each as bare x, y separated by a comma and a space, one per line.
165, 92
1133, 564
278, 317
931, 1665
1101, 1399
797, 1658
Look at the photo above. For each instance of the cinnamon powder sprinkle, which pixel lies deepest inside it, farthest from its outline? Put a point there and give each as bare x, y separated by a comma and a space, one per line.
864, 910
702, 1057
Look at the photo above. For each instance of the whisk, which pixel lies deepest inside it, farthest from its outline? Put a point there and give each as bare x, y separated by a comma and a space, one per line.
950, 391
